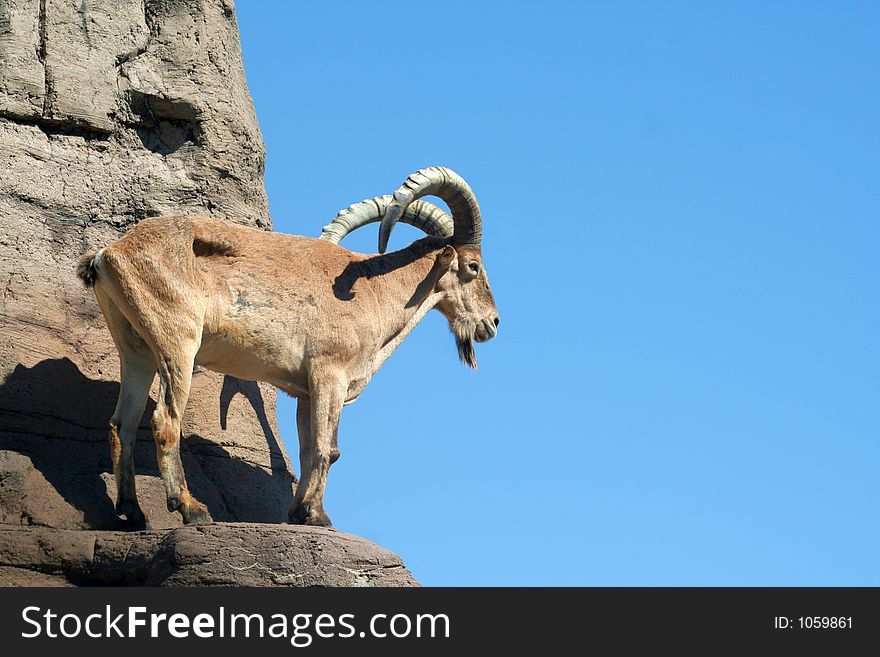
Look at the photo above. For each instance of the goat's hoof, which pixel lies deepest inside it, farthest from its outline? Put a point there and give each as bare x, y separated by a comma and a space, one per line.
135, 523
304, 514
129, 508
196, 516
134, 518
173, 503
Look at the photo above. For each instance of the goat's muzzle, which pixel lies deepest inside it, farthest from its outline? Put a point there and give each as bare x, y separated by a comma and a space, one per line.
487, 329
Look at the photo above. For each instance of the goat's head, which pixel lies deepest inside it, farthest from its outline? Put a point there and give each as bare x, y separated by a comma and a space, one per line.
466, 299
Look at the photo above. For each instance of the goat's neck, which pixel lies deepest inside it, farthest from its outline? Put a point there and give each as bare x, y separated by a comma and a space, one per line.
406, 294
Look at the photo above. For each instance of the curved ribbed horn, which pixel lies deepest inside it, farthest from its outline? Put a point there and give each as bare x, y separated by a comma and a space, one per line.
448, 185
421, 214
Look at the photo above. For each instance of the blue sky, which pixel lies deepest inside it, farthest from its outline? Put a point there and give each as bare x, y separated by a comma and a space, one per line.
681, 229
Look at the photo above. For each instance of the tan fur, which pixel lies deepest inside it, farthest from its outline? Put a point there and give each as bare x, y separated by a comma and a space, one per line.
115, 448
305, 315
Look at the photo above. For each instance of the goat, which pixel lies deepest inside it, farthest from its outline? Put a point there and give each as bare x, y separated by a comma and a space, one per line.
306, 315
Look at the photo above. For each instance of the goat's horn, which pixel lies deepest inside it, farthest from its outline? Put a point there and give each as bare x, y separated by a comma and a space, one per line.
448, 185
421, 214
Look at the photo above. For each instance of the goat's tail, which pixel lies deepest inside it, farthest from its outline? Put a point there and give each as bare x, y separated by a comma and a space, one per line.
87, 268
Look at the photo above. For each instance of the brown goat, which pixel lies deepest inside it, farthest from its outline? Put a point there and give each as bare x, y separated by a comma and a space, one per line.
305, 315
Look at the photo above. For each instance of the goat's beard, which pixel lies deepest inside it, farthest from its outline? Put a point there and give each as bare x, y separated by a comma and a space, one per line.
464, 342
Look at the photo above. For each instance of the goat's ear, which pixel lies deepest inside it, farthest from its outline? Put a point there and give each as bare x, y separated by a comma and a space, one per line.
445, 258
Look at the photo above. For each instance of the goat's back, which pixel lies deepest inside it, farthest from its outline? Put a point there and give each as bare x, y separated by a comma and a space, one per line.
198, 249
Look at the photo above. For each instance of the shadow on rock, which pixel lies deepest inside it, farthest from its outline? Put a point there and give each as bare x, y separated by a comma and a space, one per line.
251, 391
53, 420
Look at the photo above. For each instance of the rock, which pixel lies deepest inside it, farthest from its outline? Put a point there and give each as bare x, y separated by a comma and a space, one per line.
239, 554
110, 112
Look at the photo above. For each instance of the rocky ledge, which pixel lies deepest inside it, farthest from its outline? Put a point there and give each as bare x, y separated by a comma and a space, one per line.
219, 554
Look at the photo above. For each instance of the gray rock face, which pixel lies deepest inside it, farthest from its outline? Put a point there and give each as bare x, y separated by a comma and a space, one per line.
118, 110
210, 555
112, 111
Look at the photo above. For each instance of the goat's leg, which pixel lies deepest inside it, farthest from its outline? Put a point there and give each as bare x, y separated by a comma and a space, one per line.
327, 396
138, 371
138, 368
175, 377
304, 431
334, 445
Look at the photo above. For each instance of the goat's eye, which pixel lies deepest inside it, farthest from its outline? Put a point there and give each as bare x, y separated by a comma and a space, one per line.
474, 266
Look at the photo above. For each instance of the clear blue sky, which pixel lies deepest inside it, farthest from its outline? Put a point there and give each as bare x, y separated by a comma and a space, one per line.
681, 229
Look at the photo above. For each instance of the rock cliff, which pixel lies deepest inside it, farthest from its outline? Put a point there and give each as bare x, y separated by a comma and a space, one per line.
221, 554
112, 111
